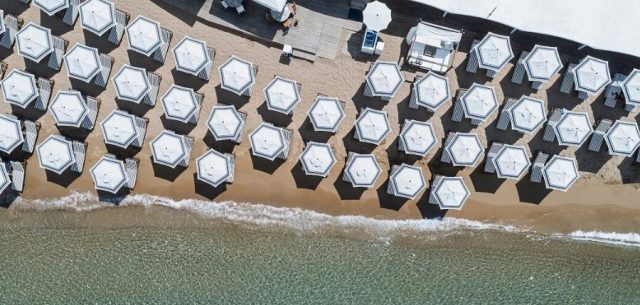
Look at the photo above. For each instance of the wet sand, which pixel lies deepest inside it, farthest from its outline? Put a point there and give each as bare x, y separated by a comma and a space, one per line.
605, 198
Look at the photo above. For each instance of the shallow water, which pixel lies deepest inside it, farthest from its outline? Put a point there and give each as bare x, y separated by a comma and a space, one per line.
156, 255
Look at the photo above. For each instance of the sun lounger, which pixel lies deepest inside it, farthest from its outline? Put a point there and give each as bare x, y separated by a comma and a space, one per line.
519, 71
154, 82
287, 137
434, 185
30, 132
493, 151
629, 107
131, 168
103, 76
161, 53
199, 98
206, 72
141, 127
59, 48
12, 25
90, 120
445, 154
505, 114
472, 63
567, 80
3, 69
45, 87
538, 164
614, 89
17, 170
549, 132
598, 135
117, 32
188, 143
458, 112
71, 13
79, 151
232, 161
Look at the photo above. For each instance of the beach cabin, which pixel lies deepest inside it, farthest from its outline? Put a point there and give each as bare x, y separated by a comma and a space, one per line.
215, 168
449, 193
432, 47
361, 170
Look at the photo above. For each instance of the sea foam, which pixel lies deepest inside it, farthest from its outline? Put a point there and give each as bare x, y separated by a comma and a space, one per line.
625, 239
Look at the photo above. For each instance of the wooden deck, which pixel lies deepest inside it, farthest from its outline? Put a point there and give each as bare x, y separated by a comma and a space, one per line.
318, 33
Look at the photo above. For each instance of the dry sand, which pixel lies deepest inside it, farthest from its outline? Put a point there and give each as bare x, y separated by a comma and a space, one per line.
605, 198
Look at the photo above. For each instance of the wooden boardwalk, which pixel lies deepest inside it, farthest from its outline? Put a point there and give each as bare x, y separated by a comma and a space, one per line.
318, 33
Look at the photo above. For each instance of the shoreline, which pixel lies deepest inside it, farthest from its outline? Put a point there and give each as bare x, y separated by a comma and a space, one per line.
604, 199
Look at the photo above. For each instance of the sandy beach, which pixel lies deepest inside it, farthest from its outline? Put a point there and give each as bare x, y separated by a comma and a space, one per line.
605, 198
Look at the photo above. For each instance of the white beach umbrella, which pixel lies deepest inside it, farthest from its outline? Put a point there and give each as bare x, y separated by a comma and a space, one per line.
34, 42
5, 180
631, 88
591, 75
214, 167
560, 173
376, 16
225, 123
528, 114
511, 162
97, 16
50, 7
119, 129
450, 193
326, 113
479, 102
191, 55
168, 149
131, 83
362, 170
109, 175
56, 154
236, 75
267, 141
144, 35
494, 51
372, 126
623, 138
573, 129
179, 103
542, 63
417, 137
69, 108
384, 78
10, 133
282, 95
274, 5
2, 27
465, 149
19, 88
432, 90
317, 159
82, 62
407, 181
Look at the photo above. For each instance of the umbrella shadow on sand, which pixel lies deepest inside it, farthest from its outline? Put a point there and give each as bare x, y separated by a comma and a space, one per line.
303, 180
207, 190
165, 172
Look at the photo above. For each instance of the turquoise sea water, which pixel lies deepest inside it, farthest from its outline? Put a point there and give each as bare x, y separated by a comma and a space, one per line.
160, 255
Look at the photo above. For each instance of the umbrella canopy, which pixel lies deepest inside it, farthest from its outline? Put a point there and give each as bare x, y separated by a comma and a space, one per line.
267, 141
573, 128
362, 170
5, 180
191, 55
225, 123
97, 16
56, 154
372, 126
119, 129
282, 95
19, 88
493, 51
144, 35
179, 103
274, 5
560, 173
417, 137
542, 63
317, 159
631, 88
432, 90
623, 138
407, 181
325, 114
528, 114
384, 78
214, 167
82, 62
236, 75
10, 134
591, 75
34, 42
109, 175
69, 108
511, 162
168, 149
50, 7
479, 102
465, 149
451, 193
2, 27
131, 83
376, 16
